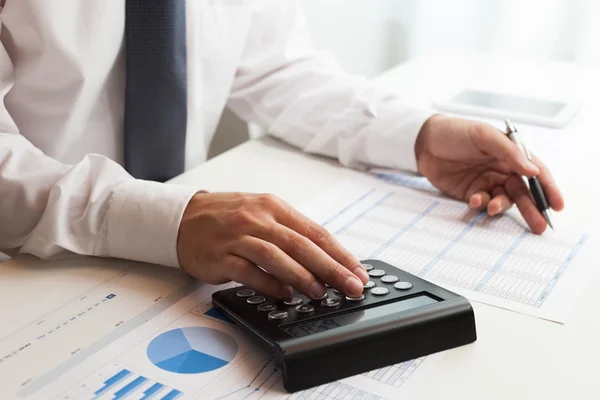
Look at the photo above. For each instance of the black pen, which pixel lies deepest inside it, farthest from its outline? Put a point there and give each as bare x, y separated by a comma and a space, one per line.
534, 184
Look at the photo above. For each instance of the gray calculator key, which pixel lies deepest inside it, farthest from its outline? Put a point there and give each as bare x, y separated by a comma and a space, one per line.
305, 308
368, 267
245, 293
369, 285
330, 302
322, 297
403, 285
389, 279
294, 301
278, 314
376, 273
359, 298
380, 291
266, 307
338, 293
256, 300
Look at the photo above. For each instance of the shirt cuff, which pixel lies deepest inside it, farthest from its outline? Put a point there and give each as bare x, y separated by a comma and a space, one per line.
143, 221
375, 130
391, 134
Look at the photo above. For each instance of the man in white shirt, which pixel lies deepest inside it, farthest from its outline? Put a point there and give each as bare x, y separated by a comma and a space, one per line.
105, 100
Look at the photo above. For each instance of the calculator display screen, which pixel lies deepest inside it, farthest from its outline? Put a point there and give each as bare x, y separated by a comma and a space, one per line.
326, 324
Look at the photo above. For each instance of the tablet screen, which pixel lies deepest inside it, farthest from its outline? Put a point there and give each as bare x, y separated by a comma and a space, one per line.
522, 105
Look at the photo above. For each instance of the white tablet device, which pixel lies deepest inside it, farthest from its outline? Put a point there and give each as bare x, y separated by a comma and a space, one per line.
528, 110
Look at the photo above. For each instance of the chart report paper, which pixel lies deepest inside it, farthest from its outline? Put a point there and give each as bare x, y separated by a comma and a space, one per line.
116, 330
494, 260
192, 351
119, 330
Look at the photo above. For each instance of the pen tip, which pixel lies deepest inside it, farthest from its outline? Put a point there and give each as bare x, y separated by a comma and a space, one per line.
548, 219
509, 125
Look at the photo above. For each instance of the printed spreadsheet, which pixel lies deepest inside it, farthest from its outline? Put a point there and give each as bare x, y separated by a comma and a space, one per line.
495, 260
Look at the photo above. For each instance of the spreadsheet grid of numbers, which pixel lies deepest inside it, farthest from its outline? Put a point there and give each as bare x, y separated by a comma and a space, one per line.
334, 391
442, 242
395, 375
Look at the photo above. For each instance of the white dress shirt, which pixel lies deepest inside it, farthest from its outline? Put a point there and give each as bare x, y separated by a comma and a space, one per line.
62, 187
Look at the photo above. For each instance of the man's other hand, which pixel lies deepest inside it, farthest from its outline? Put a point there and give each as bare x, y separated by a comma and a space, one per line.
262, 242
477, 163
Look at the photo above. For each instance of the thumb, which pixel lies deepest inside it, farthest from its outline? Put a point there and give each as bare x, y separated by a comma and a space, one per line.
498, 145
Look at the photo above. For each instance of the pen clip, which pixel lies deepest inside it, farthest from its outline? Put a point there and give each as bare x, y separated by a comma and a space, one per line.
513, 134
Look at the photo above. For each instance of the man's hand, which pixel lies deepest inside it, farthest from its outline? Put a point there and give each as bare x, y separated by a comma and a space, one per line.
475, 162
227, 236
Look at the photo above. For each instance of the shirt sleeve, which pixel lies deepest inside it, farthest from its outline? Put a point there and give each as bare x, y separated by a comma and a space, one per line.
304, 98
94, 207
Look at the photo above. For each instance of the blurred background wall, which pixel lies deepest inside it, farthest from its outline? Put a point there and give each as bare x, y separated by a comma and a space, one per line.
370, 36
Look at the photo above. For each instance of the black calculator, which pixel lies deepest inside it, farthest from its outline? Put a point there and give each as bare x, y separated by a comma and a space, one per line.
399, 317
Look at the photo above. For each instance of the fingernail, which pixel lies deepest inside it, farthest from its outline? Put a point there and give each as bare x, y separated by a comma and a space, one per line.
353, 285
317, 289
362, 274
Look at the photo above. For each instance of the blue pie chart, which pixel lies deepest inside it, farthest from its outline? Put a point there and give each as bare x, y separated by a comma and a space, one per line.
192, 350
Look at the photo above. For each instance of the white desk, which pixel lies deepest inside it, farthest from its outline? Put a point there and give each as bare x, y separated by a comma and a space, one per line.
516, 357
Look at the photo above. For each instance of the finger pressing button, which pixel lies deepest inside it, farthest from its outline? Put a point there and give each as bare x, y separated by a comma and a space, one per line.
245, 293
256, 300
294, 301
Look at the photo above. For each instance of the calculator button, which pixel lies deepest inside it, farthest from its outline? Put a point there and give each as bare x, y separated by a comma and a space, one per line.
327, 285
330, 302
256, 300
322, 297
389, 279
266, 307
379, 291
305, 308
369, 285
359, 298
245, 293
294, 301
403, 285
277, 314
368, 267
376, 273
338, 293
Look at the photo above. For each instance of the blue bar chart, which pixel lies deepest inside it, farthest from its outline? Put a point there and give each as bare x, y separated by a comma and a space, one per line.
112, 381
125, 384
130, 387
172, 395
115, 381
151, 391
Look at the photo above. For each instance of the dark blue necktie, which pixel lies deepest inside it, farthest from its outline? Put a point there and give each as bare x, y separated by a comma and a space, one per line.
155, 88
